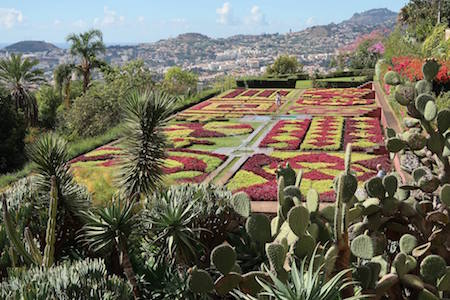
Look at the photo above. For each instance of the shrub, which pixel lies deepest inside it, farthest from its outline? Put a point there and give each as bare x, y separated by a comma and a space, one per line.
443, 101
48, 101
12, 134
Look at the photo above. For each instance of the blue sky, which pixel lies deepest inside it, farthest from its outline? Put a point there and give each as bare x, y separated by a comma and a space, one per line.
150, 20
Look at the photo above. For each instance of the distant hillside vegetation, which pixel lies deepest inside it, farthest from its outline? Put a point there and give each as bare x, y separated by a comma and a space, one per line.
30, 46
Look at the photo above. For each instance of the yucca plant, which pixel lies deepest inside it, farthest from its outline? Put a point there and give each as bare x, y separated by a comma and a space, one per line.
145, 115
170, 219
50, 155
109, 228
307, 283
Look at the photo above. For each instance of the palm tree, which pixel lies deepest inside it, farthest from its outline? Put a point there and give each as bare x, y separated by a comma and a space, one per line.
63, 78
145, 115
19, 77
87, 46
109, 229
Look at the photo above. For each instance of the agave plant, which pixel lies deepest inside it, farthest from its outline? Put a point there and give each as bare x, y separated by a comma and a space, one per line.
307, 283
109, 228
145, 115
171, 219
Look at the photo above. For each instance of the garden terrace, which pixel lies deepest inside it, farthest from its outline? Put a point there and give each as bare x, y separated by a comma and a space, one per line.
239, 138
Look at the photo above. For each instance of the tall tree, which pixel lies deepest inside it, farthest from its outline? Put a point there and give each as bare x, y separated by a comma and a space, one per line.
180, 82
19, 77
87, 46
63, 78
285, 64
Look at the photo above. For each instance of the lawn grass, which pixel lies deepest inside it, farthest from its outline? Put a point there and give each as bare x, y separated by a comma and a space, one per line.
259, 134
225, 170
76, 148
344, 79
303, 84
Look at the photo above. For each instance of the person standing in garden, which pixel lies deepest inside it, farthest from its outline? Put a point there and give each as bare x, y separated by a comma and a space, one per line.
278, 100
381, 173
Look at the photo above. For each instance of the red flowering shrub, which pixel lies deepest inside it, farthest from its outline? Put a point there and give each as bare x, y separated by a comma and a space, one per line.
411, 68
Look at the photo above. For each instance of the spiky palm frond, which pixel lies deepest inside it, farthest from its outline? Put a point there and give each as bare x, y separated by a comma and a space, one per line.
307, 283
50, 154
145, 115
106, 226
19, 77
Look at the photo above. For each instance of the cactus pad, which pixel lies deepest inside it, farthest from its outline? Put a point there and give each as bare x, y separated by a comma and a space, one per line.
399, 264
422, 100
241, 204
288, 174
292, 191
430, 111
312, 200
430, 69
276, 253
394, 144
413, 281
258, 228
404, 94
304, 246
444, 281
392, 78
298, 219
249, 285
423, 87
226, 283
407, 243
428, 183
415, 140
432, 267
390, 184
200, 281
445, 194
223, 257
375, 188
362, 247
426, 295
443, 120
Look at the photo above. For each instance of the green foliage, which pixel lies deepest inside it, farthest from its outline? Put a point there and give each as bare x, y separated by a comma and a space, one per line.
443, 101
284, 64
225, 83
223, 257
258, 228
392, 78
180, 82
85, 279
435, 44
432, 268
48, 102
12, 134
400, 44
144, 117
200, 281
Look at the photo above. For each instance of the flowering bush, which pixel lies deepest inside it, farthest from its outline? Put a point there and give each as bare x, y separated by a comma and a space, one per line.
411, 69
286, 135
325, 133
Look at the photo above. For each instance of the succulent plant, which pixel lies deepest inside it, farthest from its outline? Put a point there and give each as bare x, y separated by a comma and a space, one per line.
258, 228
432, 268
33, 256
392, 78
224, 258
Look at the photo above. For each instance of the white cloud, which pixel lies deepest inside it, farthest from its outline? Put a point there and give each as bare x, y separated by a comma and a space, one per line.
256, 16
57, 22
225, 14
79, 23
141, 20
310, 21
110, 17
9, 17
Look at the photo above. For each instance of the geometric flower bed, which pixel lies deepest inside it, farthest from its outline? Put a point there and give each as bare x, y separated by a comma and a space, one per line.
221, 109
325, 133
185, 165
337, 97
257, 176
360, 110
363, 133
183, 135
286, 135
240, 93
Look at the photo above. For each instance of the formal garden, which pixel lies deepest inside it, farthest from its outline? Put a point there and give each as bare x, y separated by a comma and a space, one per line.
118, 185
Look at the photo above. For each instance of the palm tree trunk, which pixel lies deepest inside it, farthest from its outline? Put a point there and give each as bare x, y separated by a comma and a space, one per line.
67, 94
86, 75
128, 268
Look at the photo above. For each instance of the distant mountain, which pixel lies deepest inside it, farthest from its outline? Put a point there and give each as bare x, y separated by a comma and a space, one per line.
372, 17
31, 46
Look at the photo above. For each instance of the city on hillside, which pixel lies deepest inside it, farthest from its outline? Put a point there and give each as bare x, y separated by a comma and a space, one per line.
208, 150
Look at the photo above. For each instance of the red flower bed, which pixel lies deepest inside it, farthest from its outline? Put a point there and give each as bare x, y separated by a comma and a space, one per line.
411, 68
274, 138
284, 93
266, 93
250, 93
84, 158
189, 164
234, 93
363, 133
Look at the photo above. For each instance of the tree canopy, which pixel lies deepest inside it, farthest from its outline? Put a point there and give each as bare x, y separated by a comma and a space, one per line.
283, 65
180, 82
